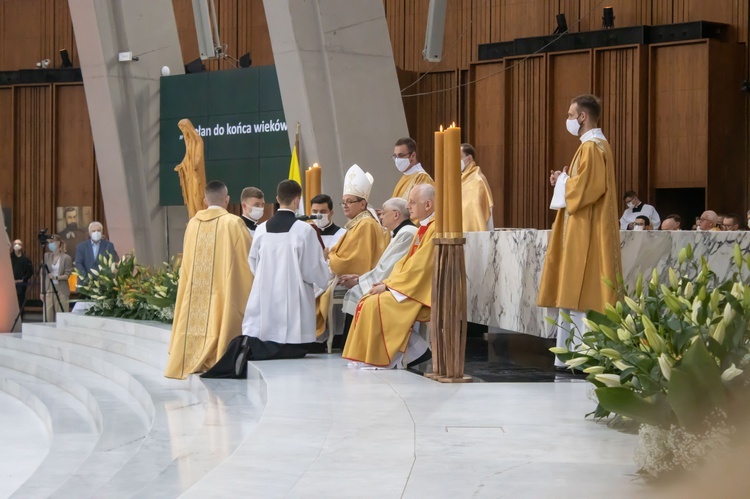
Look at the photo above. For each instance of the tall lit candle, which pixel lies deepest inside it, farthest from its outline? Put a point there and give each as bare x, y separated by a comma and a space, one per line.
316, 180
452, 174
308, 182
439, 181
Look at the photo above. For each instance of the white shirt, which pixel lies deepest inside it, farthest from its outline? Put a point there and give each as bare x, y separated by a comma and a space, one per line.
645, 210
415, 169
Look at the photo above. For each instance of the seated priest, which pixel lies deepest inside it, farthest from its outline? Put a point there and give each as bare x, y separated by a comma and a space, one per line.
287, 260
476, 194
359, 250
215, 281
382, 333
322, 205
395, 218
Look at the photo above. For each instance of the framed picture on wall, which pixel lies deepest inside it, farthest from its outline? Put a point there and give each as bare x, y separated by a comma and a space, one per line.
72, 226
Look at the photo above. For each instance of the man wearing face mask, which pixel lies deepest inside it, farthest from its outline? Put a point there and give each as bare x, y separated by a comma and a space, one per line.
584, 245
88, 252
637, 208
359, 250
322, 204
405, 158
253, 207
476, 194
23, 270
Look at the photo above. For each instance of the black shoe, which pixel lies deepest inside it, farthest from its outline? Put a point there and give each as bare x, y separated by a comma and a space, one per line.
427, 355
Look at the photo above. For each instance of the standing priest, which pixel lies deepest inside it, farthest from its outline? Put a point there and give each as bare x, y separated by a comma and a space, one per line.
475, 193
287, 260
382, 332
584, 246
214, 284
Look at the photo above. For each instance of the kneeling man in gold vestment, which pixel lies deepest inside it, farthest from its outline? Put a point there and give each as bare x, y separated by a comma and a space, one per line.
382, 330
214, 285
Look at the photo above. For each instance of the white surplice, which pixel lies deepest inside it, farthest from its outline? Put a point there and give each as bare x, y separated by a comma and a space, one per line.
396, 249
286, 265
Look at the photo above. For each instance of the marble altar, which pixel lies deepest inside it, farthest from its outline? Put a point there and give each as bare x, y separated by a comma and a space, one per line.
504, 268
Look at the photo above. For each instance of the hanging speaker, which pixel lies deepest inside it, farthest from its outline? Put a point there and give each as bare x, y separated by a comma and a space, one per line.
433, 40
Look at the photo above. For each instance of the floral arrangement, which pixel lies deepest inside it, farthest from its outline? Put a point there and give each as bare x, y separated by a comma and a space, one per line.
128, 290
673, 357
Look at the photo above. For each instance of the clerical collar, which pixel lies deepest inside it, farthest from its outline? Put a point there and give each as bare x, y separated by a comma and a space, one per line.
284, 209
593, 134
214, 206
250, 223
403, 224
354, 221
415, 169
330, 230
426, 221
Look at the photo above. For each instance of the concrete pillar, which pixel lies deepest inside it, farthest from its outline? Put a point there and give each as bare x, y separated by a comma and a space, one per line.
338, 79
123, 102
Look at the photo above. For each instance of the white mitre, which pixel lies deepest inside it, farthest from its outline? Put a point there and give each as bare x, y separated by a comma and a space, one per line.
358, 183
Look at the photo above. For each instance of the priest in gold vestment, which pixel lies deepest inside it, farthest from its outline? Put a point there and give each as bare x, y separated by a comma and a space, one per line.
215, 281
382, 335
584, 246
359, 249
476, 194
405, 157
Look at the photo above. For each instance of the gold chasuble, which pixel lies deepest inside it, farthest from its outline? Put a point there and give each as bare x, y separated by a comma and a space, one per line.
584, 244
382, 325
215, 281
357, 252
407, 182
477, 199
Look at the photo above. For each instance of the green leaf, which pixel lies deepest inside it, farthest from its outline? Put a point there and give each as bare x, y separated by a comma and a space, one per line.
625, 402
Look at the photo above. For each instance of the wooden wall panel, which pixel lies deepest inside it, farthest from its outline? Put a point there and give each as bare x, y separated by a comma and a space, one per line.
679, 115
620, 79
183, 13
487, 129
74, 148
526, 203
7, 127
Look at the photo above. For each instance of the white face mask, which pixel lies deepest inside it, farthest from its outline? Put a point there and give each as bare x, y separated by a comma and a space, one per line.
402, 164
638, 227
464, 164
256, 212
96, 236
322, 223
52, 246
573, 126
17, 247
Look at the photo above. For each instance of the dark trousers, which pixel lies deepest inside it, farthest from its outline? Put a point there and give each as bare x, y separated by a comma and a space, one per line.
21, 295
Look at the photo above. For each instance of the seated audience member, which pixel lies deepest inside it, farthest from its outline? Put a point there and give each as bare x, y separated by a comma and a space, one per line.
322, 204
55, 273
731, 222
396, 218
672, 222
708, 221
87, 252
253, 207
636, 208
642, 223
748, 219
23, 270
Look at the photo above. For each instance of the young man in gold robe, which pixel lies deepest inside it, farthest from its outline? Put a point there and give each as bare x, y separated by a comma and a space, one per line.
382, 333
584, 246
405, 158
359, 249
476, 194
215, 282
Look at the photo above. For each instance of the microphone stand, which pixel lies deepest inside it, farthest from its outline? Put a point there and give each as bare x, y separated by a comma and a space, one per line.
23, 305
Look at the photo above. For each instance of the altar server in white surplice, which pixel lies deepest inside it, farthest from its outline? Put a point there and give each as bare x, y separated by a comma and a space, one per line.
287, 260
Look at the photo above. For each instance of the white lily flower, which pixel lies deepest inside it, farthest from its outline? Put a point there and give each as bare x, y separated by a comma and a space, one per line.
719, 332
623, 334
559, 350
577, 361
620, 365
730, 373
594, 370
688, 290
608, 379
665, 365
729, 314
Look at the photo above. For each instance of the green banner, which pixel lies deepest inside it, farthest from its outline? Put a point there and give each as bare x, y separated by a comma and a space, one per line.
240, 116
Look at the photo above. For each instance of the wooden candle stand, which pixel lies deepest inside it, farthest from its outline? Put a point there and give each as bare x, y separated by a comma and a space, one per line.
448, 317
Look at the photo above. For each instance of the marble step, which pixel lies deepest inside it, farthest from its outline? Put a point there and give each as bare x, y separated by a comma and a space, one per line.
72, 430
154, 331
124, 423
148, 352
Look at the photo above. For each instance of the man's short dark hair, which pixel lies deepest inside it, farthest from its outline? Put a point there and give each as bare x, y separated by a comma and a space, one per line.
411, 146
735, 218
589, 104
468, 150
645, 219
630, 194
322, 199
215, 187
72, 209
676, 218
251, 192
287, 191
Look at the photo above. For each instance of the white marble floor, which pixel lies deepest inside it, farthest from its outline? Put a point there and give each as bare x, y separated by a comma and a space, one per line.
299, 428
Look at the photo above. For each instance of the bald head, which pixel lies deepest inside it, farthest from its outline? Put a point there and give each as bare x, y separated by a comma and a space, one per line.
708, 220
217, 194
421, 201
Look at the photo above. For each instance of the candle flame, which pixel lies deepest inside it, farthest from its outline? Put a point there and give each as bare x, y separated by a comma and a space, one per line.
453, 125
315, 165
441, 128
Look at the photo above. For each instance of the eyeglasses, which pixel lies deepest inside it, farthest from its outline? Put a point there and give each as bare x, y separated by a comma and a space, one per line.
345, 203
402, 155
